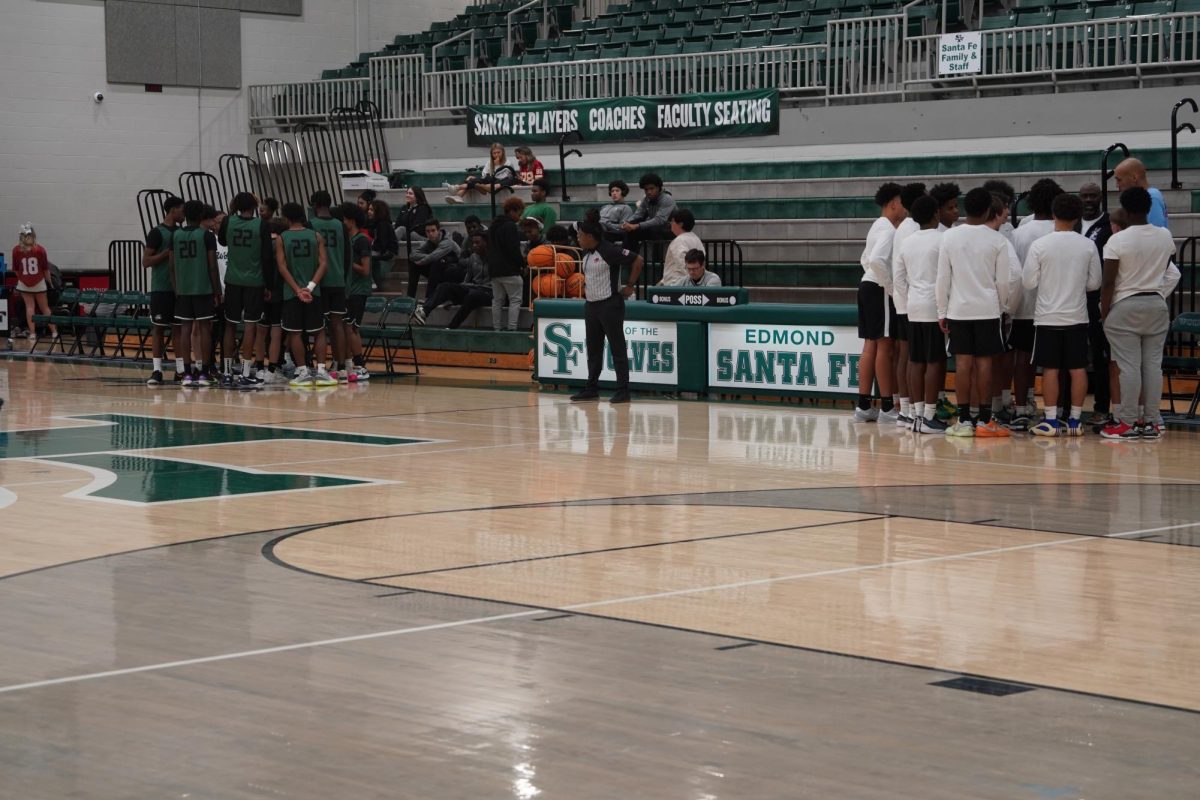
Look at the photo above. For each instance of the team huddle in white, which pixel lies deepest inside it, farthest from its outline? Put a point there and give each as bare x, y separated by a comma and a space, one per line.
1067, 285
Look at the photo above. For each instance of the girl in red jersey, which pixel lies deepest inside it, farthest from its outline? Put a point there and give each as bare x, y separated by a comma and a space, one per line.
33, 273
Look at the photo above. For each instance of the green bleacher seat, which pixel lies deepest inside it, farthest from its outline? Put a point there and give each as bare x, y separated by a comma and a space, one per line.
818, 21
1155, 7
754, 39
1025, 5
813, 37
658, 17
1028, 18
724, 41
738, 9
826, 5
1110, 12
704, 29
997, 22
1065, 16
642, 50
624, 34
595, 37
770, 6
792, 19
764, 24
1187, 6
695, 46
531, 57
612, 50
676, 31
711, 14
583, 52
560, 54
508, 61
647, 35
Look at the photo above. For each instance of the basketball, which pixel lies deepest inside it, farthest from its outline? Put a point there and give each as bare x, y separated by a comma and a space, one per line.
551, 286
564, 265
575, 285
541, 257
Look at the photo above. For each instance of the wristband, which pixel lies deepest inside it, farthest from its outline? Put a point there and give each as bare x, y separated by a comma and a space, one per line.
311, 286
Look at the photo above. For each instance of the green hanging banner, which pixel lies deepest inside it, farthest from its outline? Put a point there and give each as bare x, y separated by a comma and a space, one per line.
627, 119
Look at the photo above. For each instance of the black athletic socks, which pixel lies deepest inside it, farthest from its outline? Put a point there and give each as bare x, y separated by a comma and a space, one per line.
864, 400
886, 404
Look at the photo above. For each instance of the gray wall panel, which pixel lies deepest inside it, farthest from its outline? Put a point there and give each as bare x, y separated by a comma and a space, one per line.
208, 48
293, 8
139, 40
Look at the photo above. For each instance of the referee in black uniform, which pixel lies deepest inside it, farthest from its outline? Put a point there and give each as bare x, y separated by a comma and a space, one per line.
604, 311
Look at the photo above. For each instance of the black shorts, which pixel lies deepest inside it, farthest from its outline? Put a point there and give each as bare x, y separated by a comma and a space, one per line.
926, 343
976, 337
304, 317
272, 314
333, 301
900, 332
243, 303
356, 306
1061, 347
1021, 337
876, 313
194, 307
162, 309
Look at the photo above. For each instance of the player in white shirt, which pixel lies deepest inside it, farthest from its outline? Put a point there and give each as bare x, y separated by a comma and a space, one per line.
1041, 197
1002, 373
1062, 268
915, 269
972, 296
1006, 191
876, 312
1136, 318
946, 195
905, 229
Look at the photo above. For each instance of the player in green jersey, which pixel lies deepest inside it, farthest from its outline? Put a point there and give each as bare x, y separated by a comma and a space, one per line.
358, 288
300, 254
248, 239
197, 286
333, 285
156, 257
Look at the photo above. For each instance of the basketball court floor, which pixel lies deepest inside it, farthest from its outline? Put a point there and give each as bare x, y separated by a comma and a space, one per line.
461, 587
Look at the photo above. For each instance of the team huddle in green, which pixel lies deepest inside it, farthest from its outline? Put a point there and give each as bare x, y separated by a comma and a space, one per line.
304, 275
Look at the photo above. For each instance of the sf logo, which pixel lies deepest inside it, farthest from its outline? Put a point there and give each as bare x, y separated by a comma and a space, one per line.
561, 347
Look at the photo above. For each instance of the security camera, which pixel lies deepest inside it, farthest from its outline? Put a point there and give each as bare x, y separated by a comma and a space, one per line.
98, 97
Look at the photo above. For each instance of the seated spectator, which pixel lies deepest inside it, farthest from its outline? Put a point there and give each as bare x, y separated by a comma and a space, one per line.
614, 215
539, 208
472, 292
498, 174
651, 219
697, 270
365, 198
674, 269
531, 230
411, 219
436, 259
529, 169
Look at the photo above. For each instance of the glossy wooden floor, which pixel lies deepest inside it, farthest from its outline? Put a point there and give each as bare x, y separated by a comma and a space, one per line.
480, 590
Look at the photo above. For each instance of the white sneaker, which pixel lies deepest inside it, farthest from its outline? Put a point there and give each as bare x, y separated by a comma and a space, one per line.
889, 417
323, 378
418, 316
454, 199
303, 377
262, 375
866, 414
362, 373
450, 187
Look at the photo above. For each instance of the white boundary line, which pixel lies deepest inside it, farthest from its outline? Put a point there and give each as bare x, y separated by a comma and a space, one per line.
1064, 540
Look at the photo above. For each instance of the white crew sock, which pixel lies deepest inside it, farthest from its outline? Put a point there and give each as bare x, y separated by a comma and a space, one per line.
930, 412
228, 365
247, 367
1076, 412
158, 365
906, 406
349, 365
179, 365
1051, 412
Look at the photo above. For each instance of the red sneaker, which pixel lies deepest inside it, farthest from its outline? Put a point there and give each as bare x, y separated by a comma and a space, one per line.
1120, 430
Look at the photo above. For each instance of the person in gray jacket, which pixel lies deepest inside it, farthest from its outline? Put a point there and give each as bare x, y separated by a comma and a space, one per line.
436, 259
651, 219
615, 214
472, 292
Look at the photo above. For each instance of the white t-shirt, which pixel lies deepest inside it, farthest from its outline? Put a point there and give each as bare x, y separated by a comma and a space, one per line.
1007, 231
1143, 252
915, 269
1063, 267
674, 266
876, 258
905, 229
1029, 231
974, 273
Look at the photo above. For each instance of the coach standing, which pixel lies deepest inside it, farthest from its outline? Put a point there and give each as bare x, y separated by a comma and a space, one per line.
604, 311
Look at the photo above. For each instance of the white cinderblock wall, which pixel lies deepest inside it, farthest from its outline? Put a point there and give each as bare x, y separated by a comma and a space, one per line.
73, 168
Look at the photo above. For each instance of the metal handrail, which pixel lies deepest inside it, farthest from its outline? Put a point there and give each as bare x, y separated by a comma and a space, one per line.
573, 136
508, 22
1106, 173
1175, 129
433, 50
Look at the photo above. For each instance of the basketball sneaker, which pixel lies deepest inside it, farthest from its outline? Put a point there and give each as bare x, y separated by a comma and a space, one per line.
963, 428
945, 409
1100, 423
620, 396
418, 317
242, 382
188, 381
585, 394
1004, 416
204, 379
362, 373
1121, 430
930, 426
991, 430
904, 421
179, 376
1047, 427
302, 378
1074, 427
889, 417
866, 414
155, 378
1020, 422
1151, 432
323, 378
351, 375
